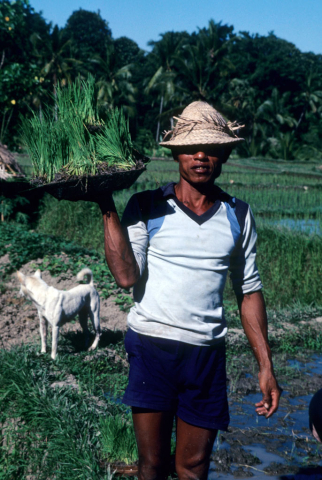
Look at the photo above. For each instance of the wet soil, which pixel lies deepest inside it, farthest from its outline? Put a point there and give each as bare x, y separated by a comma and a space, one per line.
282, 446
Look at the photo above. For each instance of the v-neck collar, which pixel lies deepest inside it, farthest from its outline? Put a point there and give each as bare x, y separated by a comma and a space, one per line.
168, 191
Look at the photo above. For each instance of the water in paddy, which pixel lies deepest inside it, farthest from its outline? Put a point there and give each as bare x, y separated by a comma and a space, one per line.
310, 226
279, 448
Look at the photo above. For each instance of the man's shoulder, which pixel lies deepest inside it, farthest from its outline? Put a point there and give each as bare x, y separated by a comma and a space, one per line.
160, 192
152, 196
230, 199
149, 200
239, 207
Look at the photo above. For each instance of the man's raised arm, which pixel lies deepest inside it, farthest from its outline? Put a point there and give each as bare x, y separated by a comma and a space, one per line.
254, 320
118, 252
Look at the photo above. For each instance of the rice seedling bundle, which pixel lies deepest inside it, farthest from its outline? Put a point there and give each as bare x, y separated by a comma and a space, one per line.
73, 152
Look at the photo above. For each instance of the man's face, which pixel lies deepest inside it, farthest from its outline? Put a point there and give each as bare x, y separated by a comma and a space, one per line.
200, 164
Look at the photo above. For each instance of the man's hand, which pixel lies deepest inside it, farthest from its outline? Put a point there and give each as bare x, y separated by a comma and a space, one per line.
104, 200
106, 204
271, 394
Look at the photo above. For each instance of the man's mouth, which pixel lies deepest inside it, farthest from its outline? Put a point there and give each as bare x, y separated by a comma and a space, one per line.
201, 168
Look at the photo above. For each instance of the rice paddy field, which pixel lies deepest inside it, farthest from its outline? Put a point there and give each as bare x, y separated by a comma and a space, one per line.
64, 420
285, 198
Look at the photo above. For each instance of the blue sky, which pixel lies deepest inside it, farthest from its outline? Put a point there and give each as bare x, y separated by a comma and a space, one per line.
298, 21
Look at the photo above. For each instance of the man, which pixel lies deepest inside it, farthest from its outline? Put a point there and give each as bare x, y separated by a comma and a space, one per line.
315, 415
177, 247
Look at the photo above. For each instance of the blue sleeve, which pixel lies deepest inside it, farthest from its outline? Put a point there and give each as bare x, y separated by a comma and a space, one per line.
243, 270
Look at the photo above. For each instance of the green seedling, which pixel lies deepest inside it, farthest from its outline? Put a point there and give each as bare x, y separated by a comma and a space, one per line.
65, 139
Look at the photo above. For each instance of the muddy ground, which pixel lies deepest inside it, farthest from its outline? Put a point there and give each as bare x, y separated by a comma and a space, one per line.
281, 447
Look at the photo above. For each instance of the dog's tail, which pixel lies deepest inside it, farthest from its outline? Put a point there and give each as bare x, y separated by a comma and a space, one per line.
88, 273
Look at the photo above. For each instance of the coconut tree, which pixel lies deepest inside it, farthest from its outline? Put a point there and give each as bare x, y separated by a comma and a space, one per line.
311, 97
162, 62
275, 110
58, 64
114, 84
241, 102
203, 66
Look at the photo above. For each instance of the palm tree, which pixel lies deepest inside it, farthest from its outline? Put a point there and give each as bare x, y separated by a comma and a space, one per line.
163, 57
114, 84
58, 65
311, 97
241, 103
275, 109
204, 66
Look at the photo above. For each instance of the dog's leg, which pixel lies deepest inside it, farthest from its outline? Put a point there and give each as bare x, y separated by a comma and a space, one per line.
95, 318
83, 316
55, 335
43, 332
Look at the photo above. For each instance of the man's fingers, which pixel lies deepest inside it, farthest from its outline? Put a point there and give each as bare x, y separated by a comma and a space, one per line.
268, 405
275, 396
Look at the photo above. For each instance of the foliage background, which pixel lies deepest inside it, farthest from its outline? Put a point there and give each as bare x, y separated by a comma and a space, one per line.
263, 82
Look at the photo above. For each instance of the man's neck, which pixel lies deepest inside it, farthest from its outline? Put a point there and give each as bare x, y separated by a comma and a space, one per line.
198, 198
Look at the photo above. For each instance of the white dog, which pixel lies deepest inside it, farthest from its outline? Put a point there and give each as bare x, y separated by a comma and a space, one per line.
59, 307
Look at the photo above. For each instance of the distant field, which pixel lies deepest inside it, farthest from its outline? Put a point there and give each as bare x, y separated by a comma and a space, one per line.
287, 208
285, 191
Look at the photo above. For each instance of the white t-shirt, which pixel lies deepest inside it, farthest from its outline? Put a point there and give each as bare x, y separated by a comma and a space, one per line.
184, 260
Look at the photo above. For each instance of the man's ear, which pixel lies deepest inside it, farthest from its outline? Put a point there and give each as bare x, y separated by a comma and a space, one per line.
37, 274
21, 277
174, 154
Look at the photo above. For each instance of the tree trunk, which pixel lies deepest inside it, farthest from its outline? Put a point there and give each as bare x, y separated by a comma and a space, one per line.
2, 59
158, 126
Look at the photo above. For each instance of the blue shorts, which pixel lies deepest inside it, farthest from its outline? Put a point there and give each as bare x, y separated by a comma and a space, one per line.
168, 375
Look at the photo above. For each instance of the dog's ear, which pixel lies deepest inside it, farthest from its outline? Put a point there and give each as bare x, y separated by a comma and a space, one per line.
21, 277
37, 274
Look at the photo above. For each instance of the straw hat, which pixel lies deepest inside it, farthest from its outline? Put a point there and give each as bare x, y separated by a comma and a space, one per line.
201, 124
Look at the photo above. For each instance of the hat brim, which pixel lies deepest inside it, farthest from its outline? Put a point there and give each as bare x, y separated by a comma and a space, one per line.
201, 138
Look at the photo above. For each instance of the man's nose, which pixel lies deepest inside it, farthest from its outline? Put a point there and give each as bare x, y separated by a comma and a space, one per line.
200, 156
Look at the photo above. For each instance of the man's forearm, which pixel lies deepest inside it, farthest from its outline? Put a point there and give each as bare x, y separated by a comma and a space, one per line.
118, 251
254, 320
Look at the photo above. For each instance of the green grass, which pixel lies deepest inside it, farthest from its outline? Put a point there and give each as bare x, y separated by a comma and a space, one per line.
118, 439
57, 432
63, 432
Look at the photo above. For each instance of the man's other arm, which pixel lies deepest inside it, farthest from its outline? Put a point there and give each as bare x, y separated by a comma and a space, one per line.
254, 320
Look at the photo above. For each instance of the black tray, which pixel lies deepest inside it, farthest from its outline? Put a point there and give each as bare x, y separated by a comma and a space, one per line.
12, 188
92, 186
